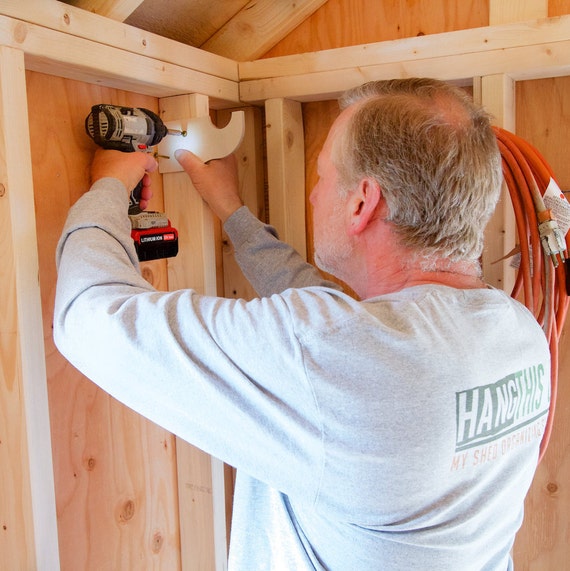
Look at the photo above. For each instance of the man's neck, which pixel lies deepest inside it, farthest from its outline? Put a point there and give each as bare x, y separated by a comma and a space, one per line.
380, 264
395, 270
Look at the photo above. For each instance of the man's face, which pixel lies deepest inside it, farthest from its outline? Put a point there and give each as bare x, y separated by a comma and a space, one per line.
333, 246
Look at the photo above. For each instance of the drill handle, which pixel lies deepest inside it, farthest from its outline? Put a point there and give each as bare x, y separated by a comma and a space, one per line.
135, 198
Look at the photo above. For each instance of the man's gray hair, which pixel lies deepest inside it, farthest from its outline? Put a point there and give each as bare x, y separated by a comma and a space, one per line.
435, 157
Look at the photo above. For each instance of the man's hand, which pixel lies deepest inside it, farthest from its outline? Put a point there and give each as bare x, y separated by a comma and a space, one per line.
216, 181
129, 168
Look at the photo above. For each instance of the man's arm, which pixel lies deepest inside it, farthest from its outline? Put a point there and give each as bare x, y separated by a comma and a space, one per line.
270, 265
196, 365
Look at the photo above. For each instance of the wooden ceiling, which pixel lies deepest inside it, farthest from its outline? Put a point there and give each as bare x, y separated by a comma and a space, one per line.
242, 30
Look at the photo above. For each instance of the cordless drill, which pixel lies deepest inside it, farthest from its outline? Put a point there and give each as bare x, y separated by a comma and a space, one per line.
131, 129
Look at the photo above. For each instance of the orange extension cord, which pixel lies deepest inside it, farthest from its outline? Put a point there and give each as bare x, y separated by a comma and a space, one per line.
541, 278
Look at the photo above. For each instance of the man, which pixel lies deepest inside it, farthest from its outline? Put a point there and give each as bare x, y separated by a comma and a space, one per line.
398, 431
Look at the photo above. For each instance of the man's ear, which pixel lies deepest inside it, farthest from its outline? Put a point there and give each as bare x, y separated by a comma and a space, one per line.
363, 205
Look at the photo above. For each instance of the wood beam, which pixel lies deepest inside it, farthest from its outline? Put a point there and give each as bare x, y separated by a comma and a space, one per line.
286, 171
249, 156
529, 50
497, 94
118, 10
525, 50
86, 52
28, 536
506, 11
258, 27
200, 477
422, 48
67, 19
71, 57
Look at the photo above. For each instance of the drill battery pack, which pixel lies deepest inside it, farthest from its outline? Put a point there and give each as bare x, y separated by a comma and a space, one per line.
153, 235
155, 243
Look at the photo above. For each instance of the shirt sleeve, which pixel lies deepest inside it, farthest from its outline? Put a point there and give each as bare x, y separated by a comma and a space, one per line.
226, 375
271, 266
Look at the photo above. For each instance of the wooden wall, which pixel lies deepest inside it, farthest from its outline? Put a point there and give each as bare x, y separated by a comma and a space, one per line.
129, 495
543, 118
341, 23
115, 472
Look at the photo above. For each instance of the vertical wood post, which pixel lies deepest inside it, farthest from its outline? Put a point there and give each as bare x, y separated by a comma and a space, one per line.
28, 525
286, 171
497, 94
249, 156
506, 11
200, 477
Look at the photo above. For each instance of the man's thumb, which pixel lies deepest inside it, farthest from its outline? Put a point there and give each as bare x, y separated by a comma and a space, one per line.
187, 159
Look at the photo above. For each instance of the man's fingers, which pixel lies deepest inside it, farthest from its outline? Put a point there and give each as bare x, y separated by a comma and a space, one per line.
188, 160
151, 164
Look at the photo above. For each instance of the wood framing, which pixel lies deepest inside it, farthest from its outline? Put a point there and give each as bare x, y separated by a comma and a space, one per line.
60, 40
258, 27
56, 39
527, 50
505, 11
28, 536
286, 171
200, 477
117, 9
61, 17
496, 93
249, 158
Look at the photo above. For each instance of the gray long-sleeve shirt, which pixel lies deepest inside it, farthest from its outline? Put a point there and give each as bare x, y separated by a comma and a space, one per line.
396, 433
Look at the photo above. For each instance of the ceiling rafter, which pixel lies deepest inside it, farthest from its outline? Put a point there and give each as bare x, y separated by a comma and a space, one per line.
257, 27
118, 10
238, 29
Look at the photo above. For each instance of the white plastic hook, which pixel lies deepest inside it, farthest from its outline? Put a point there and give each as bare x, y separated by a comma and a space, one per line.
202, 138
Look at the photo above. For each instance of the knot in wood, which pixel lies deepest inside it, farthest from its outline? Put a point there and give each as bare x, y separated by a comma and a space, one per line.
20, 32
157, 542
552, 488
128, 511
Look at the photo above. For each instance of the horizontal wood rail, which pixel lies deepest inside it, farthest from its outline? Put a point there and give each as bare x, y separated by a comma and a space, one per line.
527, 50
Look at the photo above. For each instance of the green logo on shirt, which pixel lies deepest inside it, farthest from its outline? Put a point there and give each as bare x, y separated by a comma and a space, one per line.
489, 412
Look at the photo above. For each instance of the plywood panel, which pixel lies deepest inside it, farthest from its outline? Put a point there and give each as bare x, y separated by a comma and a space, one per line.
187, 22
340, 23
115, 472
558, 7
543, 118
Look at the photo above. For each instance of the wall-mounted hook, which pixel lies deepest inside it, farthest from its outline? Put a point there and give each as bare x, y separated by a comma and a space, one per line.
201, 137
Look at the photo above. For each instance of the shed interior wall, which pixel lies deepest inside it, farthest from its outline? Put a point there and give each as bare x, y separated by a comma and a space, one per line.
115, 473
